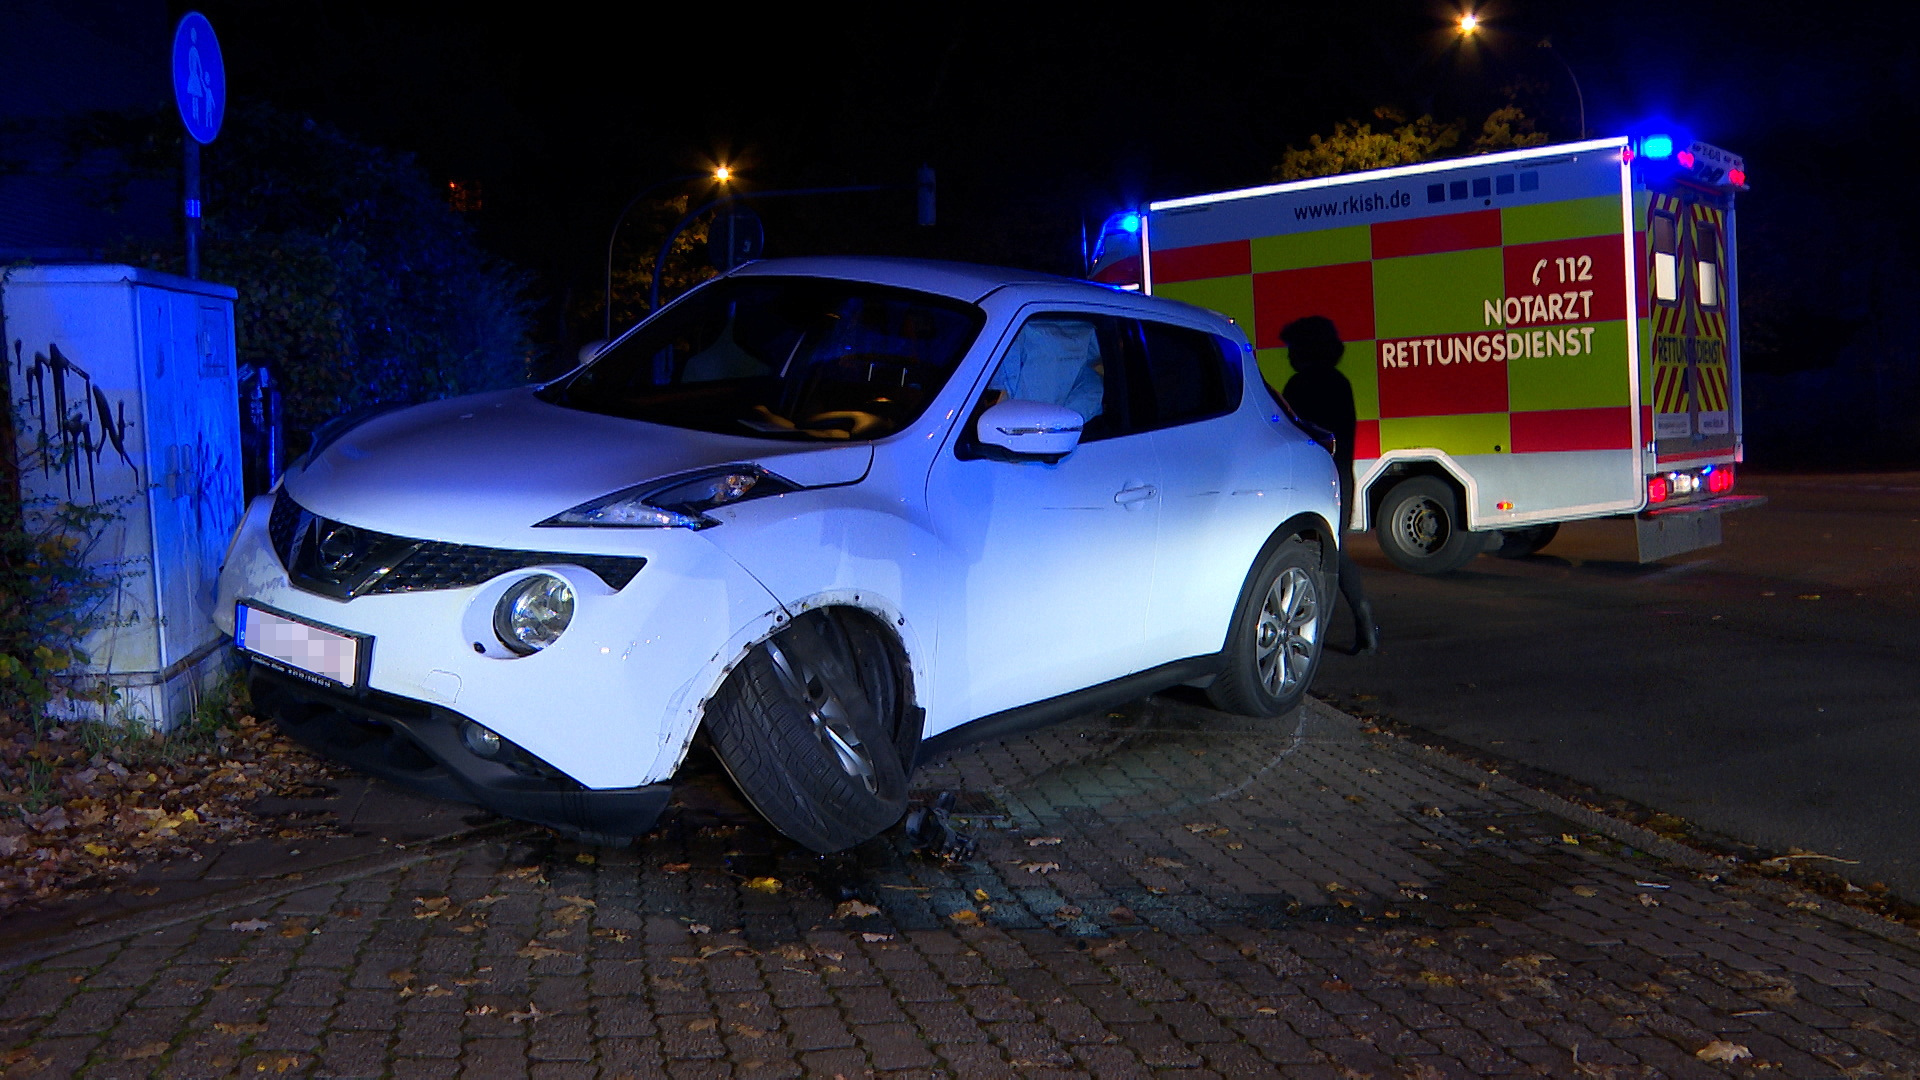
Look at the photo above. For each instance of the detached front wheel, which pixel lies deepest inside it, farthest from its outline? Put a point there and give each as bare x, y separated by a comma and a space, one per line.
807, 728
1423, 530
1274, 646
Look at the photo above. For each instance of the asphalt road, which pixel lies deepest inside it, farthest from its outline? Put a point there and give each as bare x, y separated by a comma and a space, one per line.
1767, 689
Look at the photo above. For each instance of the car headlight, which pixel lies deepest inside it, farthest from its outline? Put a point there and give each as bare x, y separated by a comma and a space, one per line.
533, 613
676, 502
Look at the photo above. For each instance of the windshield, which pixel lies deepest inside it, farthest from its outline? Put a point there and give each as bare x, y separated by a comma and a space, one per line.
783, 358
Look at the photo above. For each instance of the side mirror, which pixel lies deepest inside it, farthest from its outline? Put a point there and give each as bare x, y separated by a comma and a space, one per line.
1031, 429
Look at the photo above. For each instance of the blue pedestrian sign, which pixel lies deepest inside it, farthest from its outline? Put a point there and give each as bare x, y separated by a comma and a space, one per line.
199, 77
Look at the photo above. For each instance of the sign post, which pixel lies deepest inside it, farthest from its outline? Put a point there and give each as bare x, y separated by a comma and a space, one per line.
200, 93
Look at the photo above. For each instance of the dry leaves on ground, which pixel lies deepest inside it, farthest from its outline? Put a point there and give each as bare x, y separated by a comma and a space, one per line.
82, 807
1721, 1050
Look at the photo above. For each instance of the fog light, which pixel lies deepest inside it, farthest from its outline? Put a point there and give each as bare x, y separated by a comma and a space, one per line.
482, 742
533, 613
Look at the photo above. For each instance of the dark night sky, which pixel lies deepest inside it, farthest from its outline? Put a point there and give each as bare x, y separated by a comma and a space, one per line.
1040, 116
1033, 114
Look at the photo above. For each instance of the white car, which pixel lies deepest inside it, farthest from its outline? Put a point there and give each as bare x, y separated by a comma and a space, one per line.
835, 516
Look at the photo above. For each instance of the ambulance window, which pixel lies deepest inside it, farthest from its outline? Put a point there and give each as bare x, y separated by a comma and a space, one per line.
1707, 256
1666, 258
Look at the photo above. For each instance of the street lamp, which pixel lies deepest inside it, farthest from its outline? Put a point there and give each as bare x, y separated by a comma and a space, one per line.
720, 175
1469, 23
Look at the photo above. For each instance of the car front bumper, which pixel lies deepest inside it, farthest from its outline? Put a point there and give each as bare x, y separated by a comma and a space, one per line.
418, 745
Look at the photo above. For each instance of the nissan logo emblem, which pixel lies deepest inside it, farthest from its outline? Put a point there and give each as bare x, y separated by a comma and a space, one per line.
337, 547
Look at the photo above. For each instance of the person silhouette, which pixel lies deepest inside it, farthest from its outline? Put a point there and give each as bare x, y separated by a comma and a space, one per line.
1320, 395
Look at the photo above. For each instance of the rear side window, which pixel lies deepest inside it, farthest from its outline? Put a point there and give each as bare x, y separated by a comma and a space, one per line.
1193, 374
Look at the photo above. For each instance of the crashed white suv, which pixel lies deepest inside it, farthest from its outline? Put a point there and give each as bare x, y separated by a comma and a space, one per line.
835, 516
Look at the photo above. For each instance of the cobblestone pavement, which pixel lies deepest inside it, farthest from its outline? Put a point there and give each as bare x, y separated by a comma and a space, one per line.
1165, 890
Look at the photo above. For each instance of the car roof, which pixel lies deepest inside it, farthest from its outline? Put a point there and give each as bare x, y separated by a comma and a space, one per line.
971, 282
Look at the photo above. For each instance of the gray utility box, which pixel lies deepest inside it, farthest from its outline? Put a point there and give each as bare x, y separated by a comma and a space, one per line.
130, 375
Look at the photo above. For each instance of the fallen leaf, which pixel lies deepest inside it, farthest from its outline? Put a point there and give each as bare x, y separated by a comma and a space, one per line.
1040, 867
1160, 863
400, 976
676, 867
620, 937
699, 928
1207, 828
240, 1029
704, 1023
1721, 1050
854, 909
966, 917
869, 939
247, 926
1123, 914
585, 858
578, 902
480, 1010
535, 951
1648, 901
145, 1050
1585, 890
533, 1013
981, 895
98, 851
768, 885
1042, 841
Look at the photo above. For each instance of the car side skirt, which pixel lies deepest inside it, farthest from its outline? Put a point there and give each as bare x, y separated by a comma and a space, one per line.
1041, 714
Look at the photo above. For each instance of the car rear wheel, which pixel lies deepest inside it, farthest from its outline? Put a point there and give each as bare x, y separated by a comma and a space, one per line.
807, 728
1422, 529
1274, 646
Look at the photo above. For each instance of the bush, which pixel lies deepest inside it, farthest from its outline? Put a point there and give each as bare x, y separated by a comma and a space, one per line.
53, 593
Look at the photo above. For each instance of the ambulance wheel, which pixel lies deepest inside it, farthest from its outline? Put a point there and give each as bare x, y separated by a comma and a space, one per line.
1520, 543
1422, 529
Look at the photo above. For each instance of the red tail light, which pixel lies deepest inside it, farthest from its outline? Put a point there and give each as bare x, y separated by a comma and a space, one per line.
1656, 489
1720, 480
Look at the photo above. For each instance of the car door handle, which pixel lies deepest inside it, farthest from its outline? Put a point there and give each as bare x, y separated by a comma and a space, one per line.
1135, 494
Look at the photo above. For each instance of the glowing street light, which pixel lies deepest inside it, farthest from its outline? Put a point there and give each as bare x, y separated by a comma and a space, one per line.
1469, 24
721, 174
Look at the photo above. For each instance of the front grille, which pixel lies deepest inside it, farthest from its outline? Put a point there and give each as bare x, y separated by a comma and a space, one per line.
342, 561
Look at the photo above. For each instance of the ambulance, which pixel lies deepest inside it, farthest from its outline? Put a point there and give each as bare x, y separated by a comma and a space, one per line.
1534, 336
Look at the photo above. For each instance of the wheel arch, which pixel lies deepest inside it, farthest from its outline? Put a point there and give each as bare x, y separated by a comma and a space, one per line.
1306, 525
1398, 465
885, 617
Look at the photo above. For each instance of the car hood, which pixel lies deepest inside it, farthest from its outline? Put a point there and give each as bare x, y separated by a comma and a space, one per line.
484, 469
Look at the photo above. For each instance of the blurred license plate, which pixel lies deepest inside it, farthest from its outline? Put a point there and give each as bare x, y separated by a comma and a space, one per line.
336, 656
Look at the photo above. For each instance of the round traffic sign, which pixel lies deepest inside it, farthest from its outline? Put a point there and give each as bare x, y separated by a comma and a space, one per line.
199, 77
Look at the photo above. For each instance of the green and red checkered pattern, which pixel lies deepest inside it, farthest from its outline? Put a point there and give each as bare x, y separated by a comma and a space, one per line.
1419, 304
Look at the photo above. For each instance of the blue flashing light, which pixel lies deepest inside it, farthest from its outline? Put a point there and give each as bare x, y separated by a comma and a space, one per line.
1130, 222
1657, 147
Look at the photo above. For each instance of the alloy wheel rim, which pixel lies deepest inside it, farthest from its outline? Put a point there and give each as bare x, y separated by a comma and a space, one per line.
1288, 631
828, 715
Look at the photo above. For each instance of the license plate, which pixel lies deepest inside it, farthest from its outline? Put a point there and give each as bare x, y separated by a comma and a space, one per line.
301, 647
